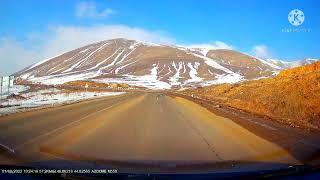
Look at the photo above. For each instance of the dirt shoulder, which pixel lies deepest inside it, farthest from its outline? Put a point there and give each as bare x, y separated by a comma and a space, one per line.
291, 98
303, 144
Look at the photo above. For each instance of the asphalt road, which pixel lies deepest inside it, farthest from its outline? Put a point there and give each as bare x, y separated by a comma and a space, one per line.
135, 127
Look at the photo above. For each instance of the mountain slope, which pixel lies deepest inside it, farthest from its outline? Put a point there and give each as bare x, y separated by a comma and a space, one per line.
291, 64
149, 65
249, 66
292, 97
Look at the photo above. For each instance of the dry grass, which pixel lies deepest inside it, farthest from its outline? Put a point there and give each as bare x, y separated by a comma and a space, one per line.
93, 84
84, 83
293, 97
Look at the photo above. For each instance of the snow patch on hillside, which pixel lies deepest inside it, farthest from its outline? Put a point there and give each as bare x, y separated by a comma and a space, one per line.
291, 64
175, 78
150, 81
225, 78
123, 66
55, 80
42, 62
194, 72
213, 63
105, 60
265, 62
86, 58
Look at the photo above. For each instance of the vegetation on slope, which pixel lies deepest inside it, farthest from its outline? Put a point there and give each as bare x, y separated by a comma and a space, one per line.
292, 97
95, 84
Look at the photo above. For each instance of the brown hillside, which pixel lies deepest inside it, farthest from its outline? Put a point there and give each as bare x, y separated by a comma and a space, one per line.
292, 97
129, 61
92, 84
301, 70
249, 66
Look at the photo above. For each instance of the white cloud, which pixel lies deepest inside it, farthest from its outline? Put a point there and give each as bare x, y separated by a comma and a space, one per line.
89, 9
66, 38
213, 45
16, 55
261, 51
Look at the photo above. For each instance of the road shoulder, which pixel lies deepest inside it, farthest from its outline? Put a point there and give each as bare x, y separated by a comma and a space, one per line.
302, 144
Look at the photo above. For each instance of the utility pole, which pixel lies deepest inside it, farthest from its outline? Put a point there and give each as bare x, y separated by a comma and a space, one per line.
8, 92
1, 90
11, 83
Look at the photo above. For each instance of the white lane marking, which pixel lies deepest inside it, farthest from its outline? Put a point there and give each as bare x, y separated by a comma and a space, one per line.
7, 148
62, 127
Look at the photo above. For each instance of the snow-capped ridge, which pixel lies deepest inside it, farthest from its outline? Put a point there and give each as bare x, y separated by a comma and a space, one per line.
291, 64
150, 65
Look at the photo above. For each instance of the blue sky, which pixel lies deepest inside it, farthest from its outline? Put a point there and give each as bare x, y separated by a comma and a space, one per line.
35, 29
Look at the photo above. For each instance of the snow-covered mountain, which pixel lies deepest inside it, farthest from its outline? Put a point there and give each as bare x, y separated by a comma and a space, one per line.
291, 64
149, 65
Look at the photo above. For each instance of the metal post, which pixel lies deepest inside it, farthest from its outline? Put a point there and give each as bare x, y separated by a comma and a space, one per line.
11, 80
1, 90
9, 92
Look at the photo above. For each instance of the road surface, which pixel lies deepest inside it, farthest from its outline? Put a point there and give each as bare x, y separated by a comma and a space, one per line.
135, 127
